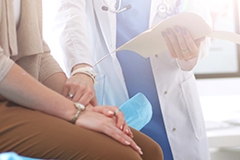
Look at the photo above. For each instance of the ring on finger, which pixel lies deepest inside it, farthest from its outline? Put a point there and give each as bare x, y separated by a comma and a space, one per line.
70, 95
116, 112
184, 51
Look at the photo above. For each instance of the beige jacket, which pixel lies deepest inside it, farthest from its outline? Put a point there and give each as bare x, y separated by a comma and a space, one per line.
24, 44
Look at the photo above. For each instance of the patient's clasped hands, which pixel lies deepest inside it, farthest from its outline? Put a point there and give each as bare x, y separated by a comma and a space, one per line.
110, 121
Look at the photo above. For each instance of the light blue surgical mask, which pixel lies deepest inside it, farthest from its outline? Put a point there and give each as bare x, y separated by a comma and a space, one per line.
137, 111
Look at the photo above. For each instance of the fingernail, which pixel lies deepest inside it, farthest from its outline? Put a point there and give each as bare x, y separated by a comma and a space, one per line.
184, 31
140, 150
168, 32
176, 29
111, 112
127, 143
131, 134
163, 34
121, 127
127, 131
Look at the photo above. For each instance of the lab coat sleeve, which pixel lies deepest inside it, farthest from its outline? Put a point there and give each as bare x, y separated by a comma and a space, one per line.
201, 8
72, 33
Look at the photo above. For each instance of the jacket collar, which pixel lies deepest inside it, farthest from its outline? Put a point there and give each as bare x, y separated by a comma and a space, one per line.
154, 11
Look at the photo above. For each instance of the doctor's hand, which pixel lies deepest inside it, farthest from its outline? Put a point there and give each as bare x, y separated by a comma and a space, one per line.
181, 44
100, 123
80, 88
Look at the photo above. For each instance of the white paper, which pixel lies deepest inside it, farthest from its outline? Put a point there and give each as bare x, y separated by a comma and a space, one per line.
151, 41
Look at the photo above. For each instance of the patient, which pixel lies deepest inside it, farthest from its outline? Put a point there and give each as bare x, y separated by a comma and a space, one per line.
36, 121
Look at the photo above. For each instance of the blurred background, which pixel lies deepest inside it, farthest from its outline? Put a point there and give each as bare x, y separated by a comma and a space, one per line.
218, 80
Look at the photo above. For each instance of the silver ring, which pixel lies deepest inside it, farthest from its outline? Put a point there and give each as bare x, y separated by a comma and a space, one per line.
70, 95
184, 51
116, 112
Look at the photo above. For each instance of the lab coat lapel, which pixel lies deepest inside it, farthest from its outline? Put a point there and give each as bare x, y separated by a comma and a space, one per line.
107, 23
154, 6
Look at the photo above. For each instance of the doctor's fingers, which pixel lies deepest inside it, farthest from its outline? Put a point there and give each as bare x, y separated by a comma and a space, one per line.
173, 44
85, 96
193, 45
169, 45
93, 101
69, 88
80, 88
181, 43
84, 90
66, 91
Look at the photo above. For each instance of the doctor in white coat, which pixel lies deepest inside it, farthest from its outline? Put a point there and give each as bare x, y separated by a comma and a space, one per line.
87, 32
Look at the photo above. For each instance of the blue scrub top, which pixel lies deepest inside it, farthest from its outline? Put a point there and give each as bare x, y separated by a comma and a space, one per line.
137, 70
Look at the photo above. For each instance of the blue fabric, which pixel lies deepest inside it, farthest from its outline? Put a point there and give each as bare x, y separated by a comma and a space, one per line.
14, 156
137, 70
137, 111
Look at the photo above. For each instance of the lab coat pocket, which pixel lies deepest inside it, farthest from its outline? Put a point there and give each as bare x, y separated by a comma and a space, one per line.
191, 98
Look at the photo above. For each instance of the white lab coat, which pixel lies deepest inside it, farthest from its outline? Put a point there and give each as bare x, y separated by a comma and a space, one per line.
175, 80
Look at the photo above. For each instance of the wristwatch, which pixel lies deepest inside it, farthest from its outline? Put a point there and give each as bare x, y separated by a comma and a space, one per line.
80, 107
85, 70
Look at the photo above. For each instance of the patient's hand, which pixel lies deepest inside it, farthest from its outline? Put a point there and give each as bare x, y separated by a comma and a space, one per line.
116, 114
96, 121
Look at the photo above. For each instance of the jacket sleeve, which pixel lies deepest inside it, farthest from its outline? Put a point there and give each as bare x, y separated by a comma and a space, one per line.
48, 67
5, 64
70, 30
201, 8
